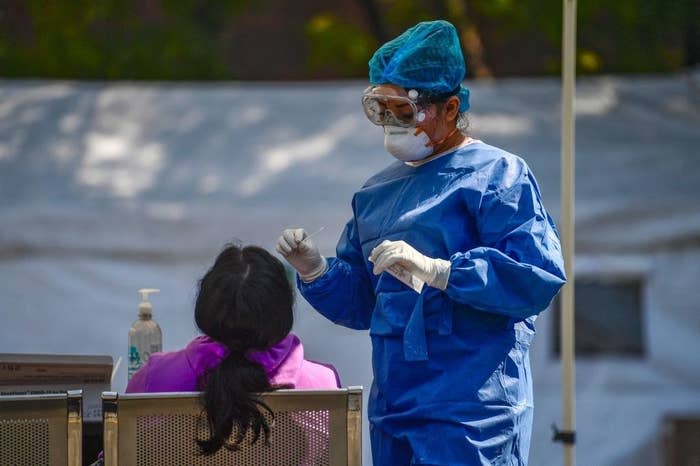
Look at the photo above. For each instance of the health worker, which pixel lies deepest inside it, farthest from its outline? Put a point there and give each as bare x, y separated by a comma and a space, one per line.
447, 260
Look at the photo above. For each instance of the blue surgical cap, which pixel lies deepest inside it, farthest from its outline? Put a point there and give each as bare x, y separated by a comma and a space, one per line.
427, 57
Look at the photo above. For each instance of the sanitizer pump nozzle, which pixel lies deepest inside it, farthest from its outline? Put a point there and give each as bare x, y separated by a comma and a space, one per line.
145, 336
145, 308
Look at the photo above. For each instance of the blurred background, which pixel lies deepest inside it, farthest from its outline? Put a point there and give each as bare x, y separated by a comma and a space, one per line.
138, 137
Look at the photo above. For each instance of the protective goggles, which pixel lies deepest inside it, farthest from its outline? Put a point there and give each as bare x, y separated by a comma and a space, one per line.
392, 110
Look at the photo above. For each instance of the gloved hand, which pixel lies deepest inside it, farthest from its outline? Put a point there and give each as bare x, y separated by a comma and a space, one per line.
302, 254
434, 272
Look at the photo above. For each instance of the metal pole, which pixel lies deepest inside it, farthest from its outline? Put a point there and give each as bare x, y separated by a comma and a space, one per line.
567, 221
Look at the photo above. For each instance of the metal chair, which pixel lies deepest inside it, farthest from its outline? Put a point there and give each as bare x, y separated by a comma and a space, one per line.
310, 428
41, 429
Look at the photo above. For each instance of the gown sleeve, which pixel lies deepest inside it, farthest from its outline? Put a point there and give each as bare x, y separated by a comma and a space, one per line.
519, 267
344, 294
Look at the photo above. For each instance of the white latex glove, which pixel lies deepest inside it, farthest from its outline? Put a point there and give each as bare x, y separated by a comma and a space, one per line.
434, 272
301, 253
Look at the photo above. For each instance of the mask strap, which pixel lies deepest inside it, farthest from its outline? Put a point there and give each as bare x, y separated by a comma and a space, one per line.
437, 143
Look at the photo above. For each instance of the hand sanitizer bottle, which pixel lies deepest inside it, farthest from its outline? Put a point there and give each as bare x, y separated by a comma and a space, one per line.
145, 336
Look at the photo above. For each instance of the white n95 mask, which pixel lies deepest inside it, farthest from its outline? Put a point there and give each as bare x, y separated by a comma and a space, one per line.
405, 145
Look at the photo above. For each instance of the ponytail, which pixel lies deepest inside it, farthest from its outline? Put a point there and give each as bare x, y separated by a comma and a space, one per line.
232, 406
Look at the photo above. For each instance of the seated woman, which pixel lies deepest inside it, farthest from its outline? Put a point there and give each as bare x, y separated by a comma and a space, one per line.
244, 308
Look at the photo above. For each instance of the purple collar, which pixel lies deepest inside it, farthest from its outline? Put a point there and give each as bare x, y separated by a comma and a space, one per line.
281, 361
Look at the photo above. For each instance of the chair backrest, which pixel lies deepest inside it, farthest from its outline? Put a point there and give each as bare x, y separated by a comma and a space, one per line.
41, 429
311, 427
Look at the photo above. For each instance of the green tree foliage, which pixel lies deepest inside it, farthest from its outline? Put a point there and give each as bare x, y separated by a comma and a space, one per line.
613, 36
524, 36
337, 46
124, 39
192, 39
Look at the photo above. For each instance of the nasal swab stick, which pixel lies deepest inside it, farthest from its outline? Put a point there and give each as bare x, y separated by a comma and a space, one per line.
314, 233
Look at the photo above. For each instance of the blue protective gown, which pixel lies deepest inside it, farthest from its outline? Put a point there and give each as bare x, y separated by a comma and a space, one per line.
452, 382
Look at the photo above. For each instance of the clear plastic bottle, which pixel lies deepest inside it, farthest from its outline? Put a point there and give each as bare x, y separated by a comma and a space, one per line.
145, 336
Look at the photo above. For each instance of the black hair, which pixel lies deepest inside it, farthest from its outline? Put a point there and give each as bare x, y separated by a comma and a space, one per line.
245, 302
426, 97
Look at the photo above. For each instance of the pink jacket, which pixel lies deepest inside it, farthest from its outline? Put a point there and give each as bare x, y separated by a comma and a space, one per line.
180, 371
